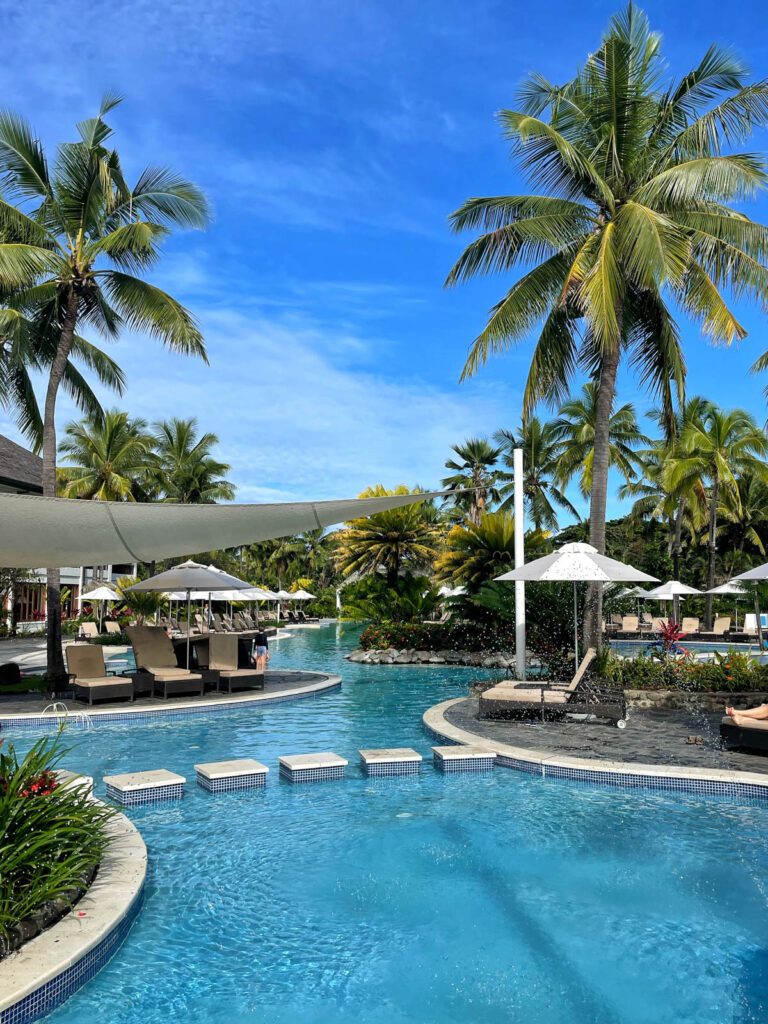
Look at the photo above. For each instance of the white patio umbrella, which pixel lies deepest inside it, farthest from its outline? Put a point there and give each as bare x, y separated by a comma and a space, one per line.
672, 591
731, 589
636, 592
756, 575
192, 578
101, 594
302, 595
579, 563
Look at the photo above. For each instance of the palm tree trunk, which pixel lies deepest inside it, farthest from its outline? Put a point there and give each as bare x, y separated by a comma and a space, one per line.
55, 672
593, 612
678, 540
712, 545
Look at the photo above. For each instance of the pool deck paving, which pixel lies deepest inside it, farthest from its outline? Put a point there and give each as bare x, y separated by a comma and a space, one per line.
652, 737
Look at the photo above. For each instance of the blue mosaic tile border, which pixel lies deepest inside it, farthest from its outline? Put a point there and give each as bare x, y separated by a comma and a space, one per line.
227, 785
149, 715
465, 764
150, 795
392, 768
312, 774
54, 992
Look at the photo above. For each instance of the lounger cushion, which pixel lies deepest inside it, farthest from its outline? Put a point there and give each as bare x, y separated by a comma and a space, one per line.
759, 725
151, 646
162, 675
525, 696
169, 673
100, 681
85, 661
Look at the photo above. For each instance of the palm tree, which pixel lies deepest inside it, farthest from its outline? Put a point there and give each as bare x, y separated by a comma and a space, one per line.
477, 552
398, 540
108, 461
186, 471
634, 211
72, 247
575, 431
541, 452
746, 512
716, 447
473, 469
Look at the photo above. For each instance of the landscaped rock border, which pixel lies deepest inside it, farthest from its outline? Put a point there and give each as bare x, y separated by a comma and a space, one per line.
393, 656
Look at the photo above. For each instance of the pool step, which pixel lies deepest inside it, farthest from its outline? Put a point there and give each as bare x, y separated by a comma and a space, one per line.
390, 761
463, 759
150, 787
226, 776
312, 767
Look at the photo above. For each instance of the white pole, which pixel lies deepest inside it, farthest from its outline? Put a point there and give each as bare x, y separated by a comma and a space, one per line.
575, 627
517, 464
189, 621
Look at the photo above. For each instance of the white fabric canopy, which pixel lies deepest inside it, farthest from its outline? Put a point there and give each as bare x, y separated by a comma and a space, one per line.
577, 563
670, 590
191, 577
302, 595
283, 595
37, 531
731, 589
100, 593
760, 572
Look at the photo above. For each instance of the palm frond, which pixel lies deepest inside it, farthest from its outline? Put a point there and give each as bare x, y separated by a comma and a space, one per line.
145, 307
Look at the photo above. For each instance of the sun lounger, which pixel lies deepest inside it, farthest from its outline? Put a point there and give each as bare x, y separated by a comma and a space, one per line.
751, 737
112, 627
88, 630
580, 696
222, 659
690, 625
303, 617
88, 675
629, 624
157, 665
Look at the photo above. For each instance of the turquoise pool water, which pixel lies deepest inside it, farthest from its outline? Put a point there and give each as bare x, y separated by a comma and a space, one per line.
460, 900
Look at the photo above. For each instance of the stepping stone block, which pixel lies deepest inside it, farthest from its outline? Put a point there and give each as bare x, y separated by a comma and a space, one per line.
390, 761
312, 767
463, 759
144, 787
225, 776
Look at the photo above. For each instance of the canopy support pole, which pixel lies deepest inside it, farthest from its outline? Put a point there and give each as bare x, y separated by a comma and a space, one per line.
517, 465
575, 625
189, 622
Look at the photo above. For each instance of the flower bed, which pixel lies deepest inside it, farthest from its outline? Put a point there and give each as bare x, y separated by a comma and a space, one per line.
464, 636
733, 672
52, 838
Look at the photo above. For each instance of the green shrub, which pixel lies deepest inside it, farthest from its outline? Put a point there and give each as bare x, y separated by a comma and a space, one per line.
728, 673
112, 640
51, 836
462, 636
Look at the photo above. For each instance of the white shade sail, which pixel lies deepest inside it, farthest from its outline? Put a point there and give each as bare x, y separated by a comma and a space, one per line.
670, 590
577, 563
38, 531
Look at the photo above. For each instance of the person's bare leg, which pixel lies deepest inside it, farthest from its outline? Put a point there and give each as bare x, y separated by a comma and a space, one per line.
759, 713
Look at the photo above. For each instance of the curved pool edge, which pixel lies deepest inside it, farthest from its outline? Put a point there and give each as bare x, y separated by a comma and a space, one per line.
323, 683
630, 775
50, 968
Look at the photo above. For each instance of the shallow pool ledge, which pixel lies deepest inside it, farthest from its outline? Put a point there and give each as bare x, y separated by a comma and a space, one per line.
51, 967
609, 773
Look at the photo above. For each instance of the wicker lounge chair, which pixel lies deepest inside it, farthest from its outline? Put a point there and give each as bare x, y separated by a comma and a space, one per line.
629, 624
88, 675
112, 627
223, 658
157, 665
552, 700
690, 625
88, 631
750, 737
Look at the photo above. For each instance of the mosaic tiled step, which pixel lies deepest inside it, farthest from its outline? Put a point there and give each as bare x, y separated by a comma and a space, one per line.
225, 776
312, 767
144, 787
391, 761
463, 759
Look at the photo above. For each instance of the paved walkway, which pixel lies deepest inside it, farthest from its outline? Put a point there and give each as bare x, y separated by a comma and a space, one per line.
651, 737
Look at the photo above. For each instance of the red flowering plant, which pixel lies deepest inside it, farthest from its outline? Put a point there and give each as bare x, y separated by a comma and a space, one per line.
668, 645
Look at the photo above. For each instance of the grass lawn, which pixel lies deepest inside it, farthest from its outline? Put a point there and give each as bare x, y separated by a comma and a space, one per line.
28, 683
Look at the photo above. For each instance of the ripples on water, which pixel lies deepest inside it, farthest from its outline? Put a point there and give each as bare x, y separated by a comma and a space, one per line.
469, 899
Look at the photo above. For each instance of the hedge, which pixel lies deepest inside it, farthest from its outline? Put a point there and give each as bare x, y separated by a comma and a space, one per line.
463, 636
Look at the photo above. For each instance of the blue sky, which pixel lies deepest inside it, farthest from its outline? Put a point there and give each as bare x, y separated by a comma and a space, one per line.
333, 138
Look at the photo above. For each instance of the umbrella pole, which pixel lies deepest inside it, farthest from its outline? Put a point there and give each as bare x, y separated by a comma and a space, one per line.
759, 622
575, 626
189, 627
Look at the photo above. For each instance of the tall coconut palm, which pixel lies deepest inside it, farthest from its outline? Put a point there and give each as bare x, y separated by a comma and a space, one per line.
399, 540
476, 552
746, 513
472, 469
717, 447
575, 431
75, 237
541, 452
185, 469
105, 461
637, 181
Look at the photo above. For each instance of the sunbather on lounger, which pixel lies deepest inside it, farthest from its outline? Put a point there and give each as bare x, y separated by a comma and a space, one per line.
738, 717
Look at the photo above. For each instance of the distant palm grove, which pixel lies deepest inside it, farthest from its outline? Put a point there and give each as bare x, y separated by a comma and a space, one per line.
637, 221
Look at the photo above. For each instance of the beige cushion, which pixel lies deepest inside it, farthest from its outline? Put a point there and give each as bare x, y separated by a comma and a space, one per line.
167, 673
151, 646
222, 652
760, 725
239, 673
86, 661
525, 696
163, 676
101, 681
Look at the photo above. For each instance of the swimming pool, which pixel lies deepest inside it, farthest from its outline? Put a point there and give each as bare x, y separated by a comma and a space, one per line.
468, 899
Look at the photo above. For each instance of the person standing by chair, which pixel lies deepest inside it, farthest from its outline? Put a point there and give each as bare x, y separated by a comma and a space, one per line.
261, 643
